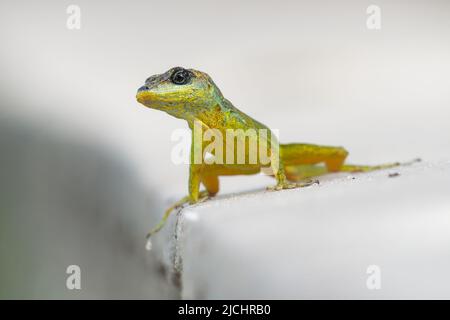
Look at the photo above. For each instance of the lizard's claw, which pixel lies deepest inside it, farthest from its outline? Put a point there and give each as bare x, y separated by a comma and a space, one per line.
292, 185
203, 199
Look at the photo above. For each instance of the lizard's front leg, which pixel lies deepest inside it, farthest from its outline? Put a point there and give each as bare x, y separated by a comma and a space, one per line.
195, 177
194, 196
195, 171
197, 163
194, 182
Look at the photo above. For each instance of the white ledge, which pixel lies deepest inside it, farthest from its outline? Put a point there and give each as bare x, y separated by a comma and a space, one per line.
318, 242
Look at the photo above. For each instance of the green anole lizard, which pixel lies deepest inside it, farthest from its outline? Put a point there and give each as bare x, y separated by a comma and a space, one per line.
192, 95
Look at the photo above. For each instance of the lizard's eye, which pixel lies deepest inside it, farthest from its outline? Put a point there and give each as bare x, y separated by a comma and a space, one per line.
180, 77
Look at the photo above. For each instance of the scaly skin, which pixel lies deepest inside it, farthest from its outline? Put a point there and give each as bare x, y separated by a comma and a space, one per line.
192, 95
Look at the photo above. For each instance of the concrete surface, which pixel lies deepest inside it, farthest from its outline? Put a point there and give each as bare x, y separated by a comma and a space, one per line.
318, 242
86, 171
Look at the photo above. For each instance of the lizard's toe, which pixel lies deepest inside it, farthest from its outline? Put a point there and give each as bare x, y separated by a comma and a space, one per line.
292, 185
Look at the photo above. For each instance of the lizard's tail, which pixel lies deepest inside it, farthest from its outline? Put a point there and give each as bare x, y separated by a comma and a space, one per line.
301, 172
363, 168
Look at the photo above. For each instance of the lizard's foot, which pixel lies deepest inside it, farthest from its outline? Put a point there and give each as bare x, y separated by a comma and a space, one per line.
292, 185
203, 196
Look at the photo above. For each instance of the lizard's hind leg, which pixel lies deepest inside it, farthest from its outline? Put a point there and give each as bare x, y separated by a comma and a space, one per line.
304, 161
304, 171
295, 154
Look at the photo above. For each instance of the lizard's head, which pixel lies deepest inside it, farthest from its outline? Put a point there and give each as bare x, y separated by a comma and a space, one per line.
179, 91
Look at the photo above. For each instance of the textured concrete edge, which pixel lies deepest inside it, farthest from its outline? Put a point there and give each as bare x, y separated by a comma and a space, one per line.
179, 225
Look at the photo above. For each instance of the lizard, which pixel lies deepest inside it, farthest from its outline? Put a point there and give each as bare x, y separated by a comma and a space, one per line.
192, 95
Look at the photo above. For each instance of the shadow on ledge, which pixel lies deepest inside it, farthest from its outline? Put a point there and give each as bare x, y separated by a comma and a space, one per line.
69, 202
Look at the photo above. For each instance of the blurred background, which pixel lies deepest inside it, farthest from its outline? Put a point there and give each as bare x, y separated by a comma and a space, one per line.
85, 170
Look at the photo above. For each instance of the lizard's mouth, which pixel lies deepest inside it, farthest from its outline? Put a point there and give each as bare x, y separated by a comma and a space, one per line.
150, 99
144, 96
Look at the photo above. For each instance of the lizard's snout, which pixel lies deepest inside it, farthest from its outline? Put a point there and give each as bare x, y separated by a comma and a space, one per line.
143, 88
140, 93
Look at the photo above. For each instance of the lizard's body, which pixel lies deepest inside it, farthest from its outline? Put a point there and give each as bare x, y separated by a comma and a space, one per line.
192, 95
